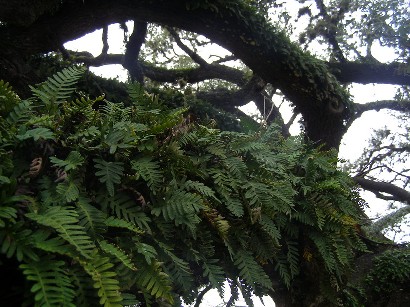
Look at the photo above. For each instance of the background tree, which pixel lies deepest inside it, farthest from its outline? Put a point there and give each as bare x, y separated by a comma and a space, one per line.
267, 57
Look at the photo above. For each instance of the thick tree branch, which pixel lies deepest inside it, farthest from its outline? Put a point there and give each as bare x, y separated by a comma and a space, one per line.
396, 192
268, 52
374, 72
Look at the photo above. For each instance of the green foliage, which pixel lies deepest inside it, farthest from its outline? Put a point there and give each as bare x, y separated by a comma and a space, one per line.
109, 173
390, 269
111, 200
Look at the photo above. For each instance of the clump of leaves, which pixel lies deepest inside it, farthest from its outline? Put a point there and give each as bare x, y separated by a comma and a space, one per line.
123, 205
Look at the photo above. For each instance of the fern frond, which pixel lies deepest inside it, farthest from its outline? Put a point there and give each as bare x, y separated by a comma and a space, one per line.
8, 98
37, 134
152, 280
120, 223
99, 268
177, 269
52, 286
20, 113
283, 268
41, 240
116, 252
65, 221
109, 173
293, 257
150, 171
92, 219
147, 251
214, 273
179, 204
59, 87
128, 209
73, 160
236, 167
7, 213
250, 270
270, 228
15, 240
68, 190
200, 188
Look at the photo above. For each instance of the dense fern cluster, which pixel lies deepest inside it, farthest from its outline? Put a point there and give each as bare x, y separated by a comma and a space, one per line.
122, 205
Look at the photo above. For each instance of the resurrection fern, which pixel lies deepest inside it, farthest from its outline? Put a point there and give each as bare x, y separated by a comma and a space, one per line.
99, 268
52, 286
59, 87
109, 173
65, 221
135, 203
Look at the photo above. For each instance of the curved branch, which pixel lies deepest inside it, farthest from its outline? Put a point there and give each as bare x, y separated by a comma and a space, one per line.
194, 56
376, 187
394, 105
268, 52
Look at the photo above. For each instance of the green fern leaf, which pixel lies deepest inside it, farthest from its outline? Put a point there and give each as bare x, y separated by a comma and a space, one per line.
127, 208
214, 273
65, 221
8, 98
177, 269
52, 286
41, 240
201, 188
117, 253
150, 171
68, 190
88, 134
120, 223
15, 240
73, 160
283, 268
36, 134
7, 213
92, 219
99, 268
250, 270
20, 113
109, 173
293, 257
147, 251
271, 228
179, 204
152, 280
59, 87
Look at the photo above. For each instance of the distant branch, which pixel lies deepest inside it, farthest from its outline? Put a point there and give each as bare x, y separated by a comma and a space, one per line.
394, 105
377, 187
227, 99
201, 295
194, 56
